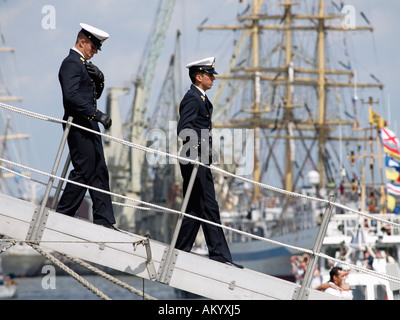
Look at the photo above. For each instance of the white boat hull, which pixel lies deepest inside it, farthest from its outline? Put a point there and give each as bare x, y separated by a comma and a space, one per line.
8, 291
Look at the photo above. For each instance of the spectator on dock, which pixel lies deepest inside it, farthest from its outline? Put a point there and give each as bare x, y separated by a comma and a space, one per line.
337, 285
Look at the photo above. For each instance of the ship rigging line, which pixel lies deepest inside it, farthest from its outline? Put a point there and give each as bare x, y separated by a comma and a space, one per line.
161, 153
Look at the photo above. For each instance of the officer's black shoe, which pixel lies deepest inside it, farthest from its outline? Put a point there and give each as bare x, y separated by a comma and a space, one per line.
234, 265
104, 223
110, 226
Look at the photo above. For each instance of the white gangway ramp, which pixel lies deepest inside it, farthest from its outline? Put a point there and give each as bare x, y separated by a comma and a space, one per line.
143, 257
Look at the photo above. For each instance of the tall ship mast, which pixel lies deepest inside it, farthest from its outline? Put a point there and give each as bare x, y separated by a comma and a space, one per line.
280, 106
9, 138
291, 81
305, 127
21, 260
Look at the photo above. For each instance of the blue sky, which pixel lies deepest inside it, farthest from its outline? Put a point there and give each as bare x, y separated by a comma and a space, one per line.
39, 51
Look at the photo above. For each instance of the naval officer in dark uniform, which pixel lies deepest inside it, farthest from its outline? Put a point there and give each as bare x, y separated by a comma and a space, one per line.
194, 128
82, 83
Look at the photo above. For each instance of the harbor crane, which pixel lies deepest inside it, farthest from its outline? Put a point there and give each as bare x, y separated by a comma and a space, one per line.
125, 164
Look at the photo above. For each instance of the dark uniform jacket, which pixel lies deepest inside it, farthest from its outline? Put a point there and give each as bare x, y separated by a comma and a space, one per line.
80, 93
195, 112
195, 115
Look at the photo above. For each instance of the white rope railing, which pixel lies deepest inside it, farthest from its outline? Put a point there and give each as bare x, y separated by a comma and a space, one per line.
224, 172
161, 208
321, 255
160, 153
176, 157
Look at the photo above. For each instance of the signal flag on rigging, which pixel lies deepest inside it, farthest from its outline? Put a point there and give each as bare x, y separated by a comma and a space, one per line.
376, 119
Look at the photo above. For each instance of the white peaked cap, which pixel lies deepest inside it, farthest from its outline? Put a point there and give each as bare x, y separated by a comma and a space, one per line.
96, 35
207, 65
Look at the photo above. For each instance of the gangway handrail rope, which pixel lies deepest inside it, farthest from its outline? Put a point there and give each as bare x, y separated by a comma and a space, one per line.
256, 237
53, 187
161, 153
158, 152
318, 254
168, 209
397, 225
367, 215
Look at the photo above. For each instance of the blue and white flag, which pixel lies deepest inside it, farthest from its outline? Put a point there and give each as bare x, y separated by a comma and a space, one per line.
392, 163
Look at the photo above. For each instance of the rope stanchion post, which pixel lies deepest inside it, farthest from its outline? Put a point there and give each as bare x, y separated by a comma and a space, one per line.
182, 213
40, 217
60, 183
302, 293
167, 263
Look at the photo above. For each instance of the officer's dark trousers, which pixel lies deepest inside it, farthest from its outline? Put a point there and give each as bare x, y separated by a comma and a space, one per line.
90, 168
202, 204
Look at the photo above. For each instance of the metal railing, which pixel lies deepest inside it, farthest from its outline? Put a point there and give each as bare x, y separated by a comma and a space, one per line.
39, 220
